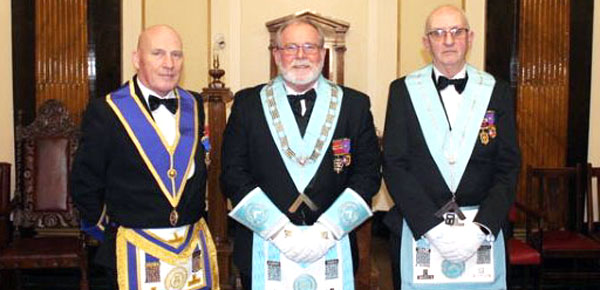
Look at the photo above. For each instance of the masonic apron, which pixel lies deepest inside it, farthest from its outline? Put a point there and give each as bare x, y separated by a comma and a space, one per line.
302, 156
182, 257
422, 267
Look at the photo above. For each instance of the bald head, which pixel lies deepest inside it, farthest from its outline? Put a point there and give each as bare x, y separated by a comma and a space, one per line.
159, 58
448, 38
444, 10
155, 31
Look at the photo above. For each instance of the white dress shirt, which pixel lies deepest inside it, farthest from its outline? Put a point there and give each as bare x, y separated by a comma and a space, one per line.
451, 98
163, 118
290, 91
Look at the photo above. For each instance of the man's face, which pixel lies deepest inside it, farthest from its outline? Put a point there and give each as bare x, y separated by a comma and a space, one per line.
300, 56
446, 49
159, 59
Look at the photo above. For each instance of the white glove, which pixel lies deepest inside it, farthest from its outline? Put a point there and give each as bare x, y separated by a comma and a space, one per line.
468, 239
289, 242
317, 239
441, 238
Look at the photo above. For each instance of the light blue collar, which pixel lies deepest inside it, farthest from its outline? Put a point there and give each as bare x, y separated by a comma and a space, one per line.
303, 147
451, 150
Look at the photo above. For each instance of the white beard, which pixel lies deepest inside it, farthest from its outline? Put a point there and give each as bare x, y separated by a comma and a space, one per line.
291, 77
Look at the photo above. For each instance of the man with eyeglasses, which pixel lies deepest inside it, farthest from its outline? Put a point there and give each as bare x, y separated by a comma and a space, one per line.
300, 165
451, 162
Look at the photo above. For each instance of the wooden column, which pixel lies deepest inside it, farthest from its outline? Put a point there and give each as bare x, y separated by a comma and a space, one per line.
216, 96
61, 45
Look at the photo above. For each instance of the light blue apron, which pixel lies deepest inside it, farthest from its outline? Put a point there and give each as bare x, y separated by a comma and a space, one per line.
451, 151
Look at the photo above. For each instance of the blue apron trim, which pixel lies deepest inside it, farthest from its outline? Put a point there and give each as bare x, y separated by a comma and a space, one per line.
406, 267
258, 261
165, 245
430, 113
206, 253
130, 245
132, 266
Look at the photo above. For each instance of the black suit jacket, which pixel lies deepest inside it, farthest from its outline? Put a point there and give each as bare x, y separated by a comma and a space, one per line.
416, 184
251, 159
109, 170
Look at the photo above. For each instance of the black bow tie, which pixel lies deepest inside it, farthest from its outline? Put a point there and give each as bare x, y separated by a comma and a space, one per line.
155, 102
294, 100
459, 84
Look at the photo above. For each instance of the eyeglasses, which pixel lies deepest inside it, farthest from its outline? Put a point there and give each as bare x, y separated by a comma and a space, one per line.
292, 48
455, 32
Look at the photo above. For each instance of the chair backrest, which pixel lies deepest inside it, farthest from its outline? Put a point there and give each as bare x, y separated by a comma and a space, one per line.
593, 198
558, 194
44, 155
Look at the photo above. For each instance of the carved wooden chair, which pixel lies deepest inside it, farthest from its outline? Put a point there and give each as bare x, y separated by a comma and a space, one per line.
46, 225
593, 204
557, 196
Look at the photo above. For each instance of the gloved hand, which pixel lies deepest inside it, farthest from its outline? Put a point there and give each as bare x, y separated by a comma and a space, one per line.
441, 237
468, 239
317, 239
289, 241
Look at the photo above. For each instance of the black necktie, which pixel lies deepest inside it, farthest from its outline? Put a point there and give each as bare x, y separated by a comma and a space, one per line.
459, 84
155, 102
294, 100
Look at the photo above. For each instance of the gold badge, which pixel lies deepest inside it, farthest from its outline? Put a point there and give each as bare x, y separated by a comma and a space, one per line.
484, 137
176, 279
173, 217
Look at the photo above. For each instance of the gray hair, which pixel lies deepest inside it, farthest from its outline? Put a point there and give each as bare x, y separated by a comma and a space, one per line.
297, 21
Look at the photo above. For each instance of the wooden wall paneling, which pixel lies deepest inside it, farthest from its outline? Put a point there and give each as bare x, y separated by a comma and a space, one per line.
543, 82
61, 53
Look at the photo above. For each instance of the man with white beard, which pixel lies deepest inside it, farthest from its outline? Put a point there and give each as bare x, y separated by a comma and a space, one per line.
300, 165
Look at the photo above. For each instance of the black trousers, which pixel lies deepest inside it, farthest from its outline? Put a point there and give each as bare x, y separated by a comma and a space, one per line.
246, 282
111, 278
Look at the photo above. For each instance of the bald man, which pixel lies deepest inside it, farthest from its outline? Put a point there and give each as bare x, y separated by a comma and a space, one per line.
139, 175
451, 162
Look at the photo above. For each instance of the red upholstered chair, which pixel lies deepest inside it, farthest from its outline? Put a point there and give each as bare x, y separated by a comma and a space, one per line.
46, 225
593, 226
523, 257
557, 195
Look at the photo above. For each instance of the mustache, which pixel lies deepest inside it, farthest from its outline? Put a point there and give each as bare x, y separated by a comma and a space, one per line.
301, 62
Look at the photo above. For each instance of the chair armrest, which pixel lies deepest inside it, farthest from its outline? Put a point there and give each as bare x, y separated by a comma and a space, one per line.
529, 211
536, 217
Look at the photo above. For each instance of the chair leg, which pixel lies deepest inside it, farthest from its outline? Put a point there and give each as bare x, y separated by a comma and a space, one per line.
84, 284
536, 278
17, 279
7, 280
